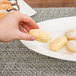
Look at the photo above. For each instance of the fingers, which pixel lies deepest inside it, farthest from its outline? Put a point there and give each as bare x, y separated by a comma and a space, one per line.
21, 29
28, 20
25, 27
25, 36
30, 27
24, 19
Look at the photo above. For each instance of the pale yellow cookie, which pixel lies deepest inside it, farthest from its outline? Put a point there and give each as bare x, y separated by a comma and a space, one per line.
71, 46
4, 2
40, 35
5, 6
58, 43
71, 35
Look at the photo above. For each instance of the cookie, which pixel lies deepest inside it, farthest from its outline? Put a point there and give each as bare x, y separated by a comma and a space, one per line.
5, 6
58, 43
40, 35
71, 46
8, 1
4, 2
71, 35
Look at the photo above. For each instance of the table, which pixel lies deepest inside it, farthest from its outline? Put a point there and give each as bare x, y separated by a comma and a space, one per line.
18, 60
51, 3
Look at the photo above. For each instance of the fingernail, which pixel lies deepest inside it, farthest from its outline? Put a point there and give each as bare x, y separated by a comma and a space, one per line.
33, 38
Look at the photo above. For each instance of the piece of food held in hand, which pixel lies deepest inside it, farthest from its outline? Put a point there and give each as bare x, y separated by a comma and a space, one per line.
40, 35
71, 46
71, 35
58, 43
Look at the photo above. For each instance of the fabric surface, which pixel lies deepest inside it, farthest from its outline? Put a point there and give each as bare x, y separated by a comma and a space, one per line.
17, 60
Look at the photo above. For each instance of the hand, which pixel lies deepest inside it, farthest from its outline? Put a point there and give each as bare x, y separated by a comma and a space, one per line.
11, 27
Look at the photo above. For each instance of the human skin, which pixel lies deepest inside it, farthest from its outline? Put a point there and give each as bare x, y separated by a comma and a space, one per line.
11, 27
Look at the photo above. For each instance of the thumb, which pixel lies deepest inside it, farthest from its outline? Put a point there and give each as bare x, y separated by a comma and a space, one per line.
25, 36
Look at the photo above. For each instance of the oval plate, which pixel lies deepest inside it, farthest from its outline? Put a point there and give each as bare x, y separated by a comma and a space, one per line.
56, 28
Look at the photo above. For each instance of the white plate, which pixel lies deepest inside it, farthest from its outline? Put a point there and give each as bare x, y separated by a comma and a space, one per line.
55, 27
25, 8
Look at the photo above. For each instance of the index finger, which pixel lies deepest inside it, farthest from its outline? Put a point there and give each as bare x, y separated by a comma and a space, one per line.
28, 21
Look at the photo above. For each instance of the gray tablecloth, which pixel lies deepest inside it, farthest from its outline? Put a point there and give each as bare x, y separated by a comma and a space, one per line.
17, 60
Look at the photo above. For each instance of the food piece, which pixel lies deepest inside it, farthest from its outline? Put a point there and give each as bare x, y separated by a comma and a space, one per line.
71, 35
8, 1
71, 46
4, 2
58, 43
5, 11
5, 6
40, 35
